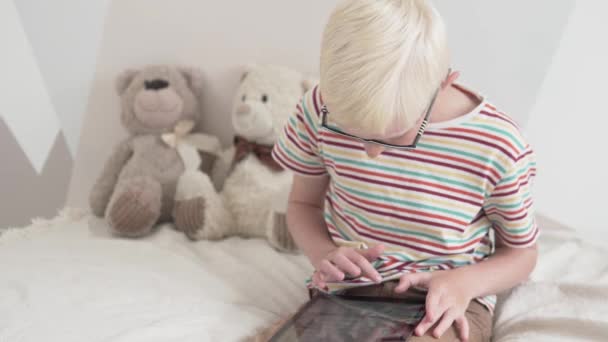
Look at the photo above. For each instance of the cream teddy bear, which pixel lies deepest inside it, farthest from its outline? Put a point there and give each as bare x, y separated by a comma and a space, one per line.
254, 188
136, 189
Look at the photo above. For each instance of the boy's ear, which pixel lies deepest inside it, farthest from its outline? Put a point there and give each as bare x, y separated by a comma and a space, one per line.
451, 79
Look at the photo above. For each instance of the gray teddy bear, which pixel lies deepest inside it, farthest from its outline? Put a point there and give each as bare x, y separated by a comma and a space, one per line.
136, 189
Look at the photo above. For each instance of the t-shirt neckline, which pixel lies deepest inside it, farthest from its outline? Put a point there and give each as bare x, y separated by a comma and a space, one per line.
463, 118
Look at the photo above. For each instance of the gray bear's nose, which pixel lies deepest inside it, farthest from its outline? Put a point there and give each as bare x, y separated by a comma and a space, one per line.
156, 84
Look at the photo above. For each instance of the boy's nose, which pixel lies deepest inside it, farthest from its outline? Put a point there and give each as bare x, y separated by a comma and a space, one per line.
373, 150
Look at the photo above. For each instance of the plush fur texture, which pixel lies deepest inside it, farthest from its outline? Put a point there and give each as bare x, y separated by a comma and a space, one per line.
252, 201
136, 188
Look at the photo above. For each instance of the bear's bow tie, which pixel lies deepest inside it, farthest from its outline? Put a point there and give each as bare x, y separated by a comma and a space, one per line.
263, 152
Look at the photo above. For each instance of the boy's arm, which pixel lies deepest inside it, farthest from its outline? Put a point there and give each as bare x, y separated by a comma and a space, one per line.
307, 226
505, 269
305, 217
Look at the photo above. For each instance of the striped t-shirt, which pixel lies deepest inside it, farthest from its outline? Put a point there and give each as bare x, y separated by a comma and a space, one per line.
435, 207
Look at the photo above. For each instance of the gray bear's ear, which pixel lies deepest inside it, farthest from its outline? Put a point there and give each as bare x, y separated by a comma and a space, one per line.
248, 68
124, 80
194, 78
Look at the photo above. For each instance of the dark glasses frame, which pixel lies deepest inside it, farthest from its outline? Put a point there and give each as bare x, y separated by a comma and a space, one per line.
412, 146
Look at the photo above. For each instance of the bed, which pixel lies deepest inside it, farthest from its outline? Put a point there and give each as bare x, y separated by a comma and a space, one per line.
67, 279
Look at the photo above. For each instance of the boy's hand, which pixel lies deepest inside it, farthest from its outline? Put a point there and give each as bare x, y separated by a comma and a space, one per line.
446, 302
344, 260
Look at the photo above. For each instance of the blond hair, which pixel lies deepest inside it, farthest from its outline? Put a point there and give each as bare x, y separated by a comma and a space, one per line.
381, 62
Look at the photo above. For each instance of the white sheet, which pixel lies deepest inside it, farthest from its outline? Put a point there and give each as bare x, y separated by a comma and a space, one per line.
68, 280
566, 298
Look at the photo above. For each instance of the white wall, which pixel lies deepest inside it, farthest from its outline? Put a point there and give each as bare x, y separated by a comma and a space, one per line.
47, 64
501, 49
65, 36
504, 48
25, 104
568, 125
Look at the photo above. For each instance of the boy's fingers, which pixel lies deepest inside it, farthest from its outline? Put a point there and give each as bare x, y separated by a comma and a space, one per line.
363, 259
446, 322
371, 254
367, 270
462, 325
433, 312
346, 265
317, 280
404, 284
412, 279
331, 272
423, 326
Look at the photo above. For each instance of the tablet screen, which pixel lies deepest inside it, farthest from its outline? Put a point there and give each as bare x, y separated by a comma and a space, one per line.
337, 318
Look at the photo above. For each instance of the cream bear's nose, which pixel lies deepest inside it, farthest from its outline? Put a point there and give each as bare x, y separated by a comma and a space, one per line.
243, 109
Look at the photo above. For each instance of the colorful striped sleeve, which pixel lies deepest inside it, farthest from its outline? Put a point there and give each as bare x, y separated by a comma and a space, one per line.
296, 147
510, 207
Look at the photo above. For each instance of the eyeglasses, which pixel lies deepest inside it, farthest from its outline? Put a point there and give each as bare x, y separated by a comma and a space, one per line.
412, 146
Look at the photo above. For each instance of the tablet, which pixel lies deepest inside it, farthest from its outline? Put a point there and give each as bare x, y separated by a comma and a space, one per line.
349, 318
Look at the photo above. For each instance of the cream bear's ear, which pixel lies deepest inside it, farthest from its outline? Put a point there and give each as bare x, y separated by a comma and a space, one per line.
124, 80
194, 77
246, 70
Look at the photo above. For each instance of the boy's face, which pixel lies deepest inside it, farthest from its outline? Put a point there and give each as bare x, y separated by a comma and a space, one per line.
374, 150
394, 138
395, 134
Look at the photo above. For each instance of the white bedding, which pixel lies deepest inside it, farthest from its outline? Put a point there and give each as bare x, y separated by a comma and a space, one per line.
566, 298
68, 280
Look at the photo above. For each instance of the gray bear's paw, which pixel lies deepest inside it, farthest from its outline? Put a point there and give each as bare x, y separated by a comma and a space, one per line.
189, 216
136, 210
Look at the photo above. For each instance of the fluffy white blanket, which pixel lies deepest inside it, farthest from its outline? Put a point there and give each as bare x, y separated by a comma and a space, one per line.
68, 280
566, 298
